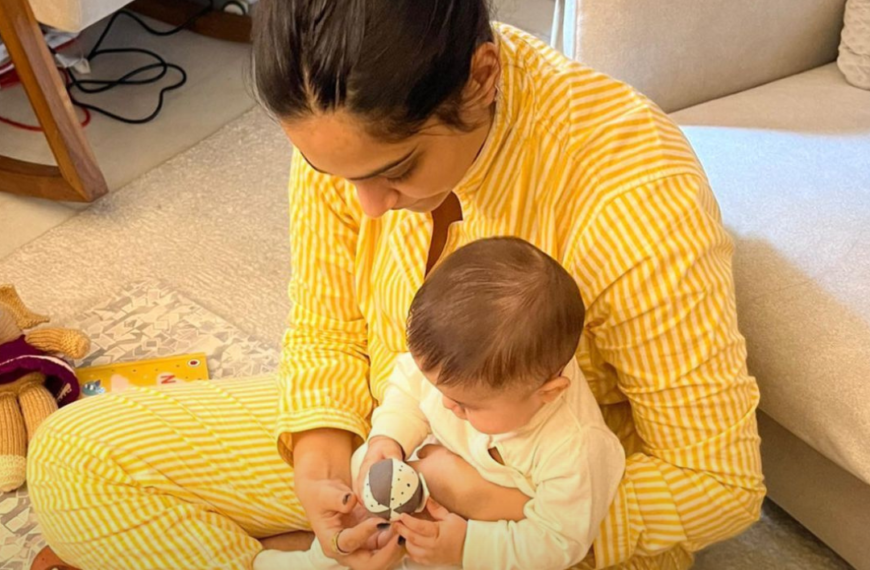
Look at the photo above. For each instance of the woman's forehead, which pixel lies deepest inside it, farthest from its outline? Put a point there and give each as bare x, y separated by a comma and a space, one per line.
338, 144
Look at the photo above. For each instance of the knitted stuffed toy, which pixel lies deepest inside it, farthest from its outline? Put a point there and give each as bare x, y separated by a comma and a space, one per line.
33, 384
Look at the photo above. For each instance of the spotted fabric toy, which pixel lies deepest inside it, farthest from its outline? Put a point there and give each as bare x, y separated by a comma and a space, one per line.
392, 487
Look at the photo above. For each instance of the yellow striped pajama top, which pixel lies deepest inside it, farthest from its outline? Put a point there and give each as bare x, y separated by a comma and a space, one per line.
598, 177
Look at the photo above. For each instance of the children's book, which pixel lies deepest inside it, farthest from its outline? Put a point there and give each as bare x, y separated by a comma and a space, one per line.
119, 376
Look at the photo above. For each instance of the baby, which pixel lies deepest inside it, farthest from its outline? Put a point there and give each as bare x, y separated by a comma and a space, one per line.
491, 377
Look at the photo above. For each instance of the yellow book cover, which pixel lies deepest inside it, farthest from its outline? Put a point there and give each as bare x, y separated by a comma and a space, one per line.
116, 377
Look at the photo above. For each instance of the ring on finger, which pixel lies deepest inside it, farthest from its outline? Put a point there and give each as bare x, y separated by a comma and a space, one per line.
335, 546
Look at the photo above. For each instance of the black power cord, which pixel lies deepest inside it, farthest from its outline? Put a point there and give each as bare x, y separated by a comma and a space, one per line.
92, 86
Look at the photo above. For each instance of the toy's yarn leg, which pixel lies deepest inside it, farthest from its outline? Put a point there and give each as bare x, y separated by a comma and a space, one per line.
72, 343
36, 403
13, 443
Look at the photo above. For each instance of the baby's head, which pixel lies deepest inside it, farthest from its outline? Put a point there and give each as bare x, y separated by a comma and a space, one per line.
493, 328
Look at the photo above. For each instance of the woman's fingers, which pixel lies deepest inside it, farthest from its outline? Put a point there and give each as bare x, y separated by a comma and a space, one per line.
354, 538
337, 497
382, 538
387, 557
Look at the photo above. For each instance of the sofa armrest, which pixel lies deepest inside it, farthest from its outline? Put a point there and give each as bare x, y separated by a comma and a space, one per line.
684, 52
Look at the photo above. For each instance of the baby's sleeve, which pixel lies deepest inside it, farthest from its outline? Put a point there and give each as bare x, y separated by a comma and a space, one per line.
575, 484
399, 416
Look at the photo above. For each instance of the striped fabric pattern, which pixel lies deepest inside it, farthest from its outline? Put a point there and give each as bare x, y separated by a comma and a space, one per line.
598, 177
181, 477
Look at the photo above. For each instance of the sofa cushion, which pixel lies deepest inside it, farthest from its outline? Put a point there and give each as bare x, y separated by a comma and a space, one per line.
854, 59
790, 165
683, 52
74, 15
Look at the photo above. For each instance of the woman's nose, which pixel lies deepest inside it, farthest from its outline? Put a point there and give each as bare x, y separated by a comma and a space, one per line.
376, 198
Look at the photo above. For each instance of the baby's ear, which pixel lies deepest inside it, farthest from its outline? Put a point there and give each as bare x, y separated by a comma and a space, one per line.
552, 389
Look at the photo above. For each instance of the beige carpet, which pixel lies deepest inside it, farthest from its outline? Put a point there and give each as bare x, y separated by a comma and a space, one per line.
211, 224
215, 93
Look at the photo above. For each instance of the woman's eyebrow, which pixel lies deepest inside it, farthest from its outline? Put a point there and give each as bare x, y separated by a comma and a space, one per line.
376, 172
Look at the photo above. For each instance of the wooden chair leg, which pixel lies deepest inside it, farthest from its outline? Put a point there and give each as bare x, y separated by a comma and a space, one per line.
76, 177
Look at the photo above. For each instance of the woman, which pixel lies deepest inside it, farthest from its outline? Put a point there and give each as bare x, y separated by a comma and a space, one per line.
419, 128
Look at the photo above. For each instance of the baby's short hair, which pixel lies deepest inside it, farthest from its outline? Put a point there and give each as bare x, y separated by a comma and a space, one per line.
498, 312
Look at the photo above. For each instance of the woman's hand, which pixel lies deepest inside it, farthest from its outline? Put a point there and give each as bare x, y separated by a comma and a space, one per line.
333, 510
322, 461
440, 541
379, 447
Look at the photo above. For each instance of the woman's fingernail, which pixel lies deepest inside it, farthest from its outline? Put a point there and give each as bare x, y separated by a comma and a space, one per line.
383, 526
345, 499
401, 541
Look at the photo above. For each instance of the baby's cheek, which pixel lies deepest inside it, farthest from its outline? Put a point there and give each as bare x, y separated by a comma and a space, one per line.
482, 425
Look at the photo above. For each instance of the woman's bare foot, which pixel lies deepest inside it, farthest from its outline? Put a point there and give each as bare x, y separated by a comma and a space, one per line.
288, 542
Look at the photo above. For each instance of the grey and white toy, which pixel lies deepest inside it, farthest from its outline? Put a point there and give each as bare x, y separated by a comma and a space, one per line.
392, 488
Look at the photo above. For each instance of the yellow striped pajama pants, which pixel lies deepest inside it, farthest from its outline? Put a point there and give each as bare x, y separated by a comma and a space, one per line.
184, 477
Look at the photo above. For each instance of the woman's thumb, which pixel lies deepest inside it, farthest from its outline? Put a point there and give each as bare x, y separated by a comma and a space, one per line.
343, 500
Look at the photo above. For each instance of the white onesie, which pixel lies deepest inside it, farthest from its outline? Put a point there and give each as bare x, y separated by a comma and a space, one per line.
565, 459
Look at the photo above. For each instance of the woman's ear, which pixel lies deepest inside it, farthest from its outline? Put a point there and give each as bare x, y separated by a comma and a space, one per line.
552, 389
482, 86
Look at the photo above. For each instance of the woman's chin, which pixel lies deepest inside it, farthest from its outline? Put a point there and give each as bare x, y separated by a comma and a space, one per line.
416, 208
424, 205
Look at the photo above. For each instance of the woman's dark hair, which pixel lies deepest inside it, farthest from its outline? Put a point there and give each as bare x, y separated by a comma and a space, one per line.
395, 63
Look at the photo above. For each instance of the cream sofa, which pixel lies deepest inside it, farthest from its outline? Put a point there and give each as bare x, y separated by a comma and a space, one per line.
785, 142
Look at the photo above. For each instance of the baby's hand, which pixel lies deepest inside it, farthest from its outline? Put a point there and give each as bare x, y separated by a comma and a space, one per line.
379, 447
439, 541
